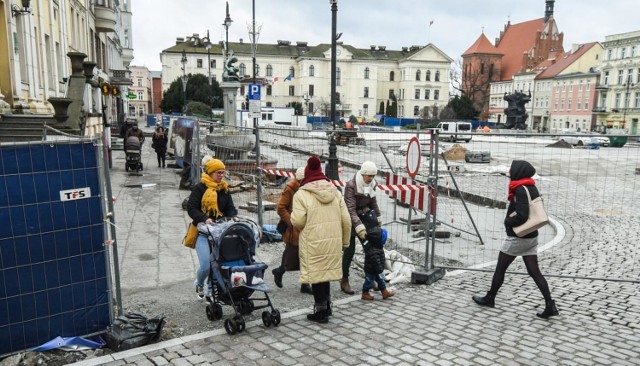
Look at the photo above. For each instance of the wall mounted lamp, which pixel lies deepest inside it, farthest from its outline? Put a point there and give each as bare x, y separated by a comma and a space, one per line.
15, 9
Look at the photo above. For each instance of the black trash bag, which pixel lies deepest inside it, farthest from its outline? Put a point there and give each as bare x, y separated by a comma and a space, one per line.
133, 330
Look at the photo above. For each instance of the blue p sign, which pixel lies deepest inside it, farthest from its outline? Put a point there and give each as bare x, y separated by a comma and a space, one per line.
254, 91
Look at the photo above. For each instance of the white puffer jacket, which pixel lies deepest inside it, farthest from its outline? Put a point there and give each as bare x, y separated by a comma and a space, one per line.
321, 214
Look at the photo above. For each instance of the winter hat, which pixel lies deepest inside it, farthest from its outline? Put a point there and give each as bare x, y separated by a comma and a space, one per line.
368, 168
213, 165
300, 174
313, 171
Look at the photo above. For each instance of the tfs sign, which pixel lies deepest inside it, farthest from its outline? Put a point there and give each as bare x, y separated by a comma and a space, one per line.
75, 194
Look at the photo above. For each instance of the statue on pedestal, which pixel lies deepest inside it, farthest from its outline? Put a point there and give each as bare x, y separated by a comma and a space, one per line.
515, 111
231, 71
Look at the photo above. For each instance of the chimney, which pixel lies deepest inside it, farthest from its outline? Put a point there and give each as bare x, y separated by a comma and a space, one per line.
241, 40
372, 47
382, 48
179, 40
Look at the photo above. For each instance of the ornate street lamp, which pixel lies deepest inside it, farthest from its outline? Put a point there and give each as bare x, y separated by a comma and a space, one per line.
185, 78
207, 45
331, 168
227, 24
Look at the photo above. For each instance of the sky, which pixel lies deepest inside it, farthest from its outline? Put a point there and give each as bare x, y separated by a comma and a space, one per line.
392, 23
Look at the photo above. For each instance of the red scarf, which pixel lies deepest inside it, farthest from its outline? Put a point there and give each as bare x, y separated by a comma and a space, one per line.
517, 183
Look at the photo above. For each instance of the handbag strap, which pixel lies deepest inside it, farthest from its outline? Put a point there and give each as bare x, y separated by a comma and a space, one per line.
528, 195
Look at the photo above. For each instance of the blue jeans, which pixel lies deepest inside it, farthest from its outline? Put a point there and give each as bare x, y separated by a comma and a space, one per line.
202, 249
368, 282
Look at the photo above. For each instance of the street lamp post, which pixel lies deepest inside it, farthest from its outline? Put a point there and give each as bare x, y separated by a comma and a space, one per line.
626, 101
183, 61
332, 164
207, 44
306, 98
226, 24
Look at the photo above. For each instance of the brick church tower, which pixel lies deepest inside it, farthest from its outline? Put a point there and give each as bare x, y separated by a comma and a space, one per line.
520, 47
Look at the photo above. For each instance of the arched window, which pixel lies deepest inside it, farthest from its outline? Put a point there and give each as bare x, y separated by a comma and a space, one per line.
391, 76
312, 71
242, 70
366, 72
269, 70
427, 75
338, 76
437, 76
418, 75
292, 72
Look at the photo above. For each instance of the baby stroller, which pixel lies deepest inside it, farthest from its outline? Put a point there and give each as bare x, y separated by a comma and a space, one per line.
132, 151
235, 275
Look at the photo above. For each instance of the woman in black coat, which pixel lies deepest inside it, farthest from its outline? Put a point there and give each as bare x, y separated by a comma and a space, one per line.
520, 173
159, 142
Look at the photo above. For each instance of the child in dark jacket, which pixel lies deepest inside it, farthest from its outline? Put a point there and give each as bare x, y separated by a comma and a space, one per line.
374, 259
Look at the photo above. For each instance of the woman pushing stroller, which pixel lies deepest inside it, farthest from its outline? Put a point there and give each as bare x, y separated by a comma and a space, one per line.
210, 200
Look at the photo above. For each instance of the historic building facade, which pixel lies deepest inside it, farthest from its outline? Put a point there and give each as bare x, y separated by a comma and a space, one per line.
140, 93
368, 80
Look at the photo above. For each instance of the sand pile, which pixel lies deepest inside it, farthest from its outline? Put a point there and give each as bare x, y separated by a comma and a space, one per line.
455, 152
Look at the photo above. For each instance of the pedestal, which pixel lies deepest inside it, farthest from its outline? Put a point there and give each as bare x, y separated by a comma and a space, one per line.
229, 94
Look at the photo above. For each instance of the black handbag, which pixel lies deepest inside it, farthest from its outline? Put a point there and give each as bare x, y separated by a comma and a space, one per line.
282, 226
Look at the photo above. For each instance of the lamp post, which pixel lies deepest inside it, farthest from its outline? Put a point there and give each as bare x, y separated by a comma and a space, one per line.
207, 45
183, 61
626, 100
331, 168
226, 24
306, 98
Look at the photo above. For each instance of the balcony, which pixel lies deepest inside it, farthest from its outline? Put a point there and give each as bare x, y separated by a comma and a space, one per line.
120, 77
599, 110
105, 19
602, 87
127, 56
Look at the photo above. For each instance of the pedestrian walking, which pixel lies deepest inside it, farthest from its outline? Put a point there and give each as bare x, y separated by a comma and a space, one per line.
134, 131
290, 255
321, 215
159, 142
520, 173
209, 201
374, 258
360, 197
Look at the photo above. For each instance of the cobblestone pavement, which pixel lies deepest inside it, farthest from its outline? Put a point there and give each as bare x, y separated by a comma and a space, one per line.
599, 324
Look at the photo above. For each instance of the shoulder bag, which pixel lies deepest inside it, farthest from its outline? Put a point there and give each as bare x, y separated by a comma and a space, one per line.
537, 217
189, 240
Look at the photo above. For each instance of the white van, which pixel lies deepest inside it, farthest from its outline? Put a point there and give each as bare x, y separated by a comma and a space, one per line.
454, 131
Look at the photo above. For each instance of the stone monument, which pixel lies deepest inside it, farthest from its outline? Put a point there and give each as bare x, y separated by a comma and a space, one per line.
515, 111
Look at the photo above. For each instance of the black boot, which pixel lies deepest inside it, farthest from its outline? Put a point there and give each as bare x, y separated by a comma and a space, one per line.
329, 312
319, 316
305, 288
487, 300
277, 275
549, 310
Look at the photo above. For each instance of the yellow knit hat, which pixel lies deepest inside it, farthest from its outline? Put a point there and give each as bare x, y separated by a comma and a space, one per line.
214, 165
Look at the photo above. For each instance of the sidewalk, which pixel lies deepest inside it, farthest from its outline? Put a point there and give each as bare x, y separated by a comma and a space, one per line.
434, 325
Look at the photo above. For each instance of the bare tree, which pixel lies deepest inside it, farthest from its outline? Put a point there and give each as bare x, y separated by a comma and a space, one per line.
474, 83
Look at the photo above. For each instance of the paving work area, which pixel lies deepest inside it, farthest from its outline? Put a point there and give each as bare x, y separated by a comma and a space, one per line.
422, 325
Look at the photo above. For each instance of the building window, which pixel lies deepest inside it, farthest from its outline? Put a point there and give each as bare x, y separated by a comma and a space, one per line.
365, 109
392, 76
269, 104
366, 92
199, 63
391, 94
292, 72
609, 54
338, 76
312, 71
418, 75
427, 93
257, 70
139, 82
366, 72
268, 89
311, 90
629, 75
416, 110
586, 104
637, 102
437, 78
140, 95
620, 77
436, 94
310, 108
578, 105
427, 75
291, 90
242, 70
141, 111
606, 78
269, 70
623, 51
417, 94
616, 104
338, 98
212, 64
633, 51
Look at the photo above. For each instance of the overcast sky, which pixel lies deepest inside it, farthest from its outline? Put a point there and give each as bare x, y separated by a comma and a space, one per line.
392, 23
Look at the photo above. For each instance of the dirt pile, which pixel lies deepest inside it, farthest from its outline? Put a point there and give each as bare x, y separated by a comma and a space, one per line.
455, 152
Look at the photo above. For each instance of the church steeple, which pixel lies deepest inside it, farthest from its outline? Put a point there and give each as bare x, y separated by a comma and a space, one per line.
548, 11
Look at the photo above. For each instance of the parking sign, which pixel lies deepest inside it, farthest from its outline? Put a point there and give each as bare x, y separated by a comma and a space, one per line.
254, 91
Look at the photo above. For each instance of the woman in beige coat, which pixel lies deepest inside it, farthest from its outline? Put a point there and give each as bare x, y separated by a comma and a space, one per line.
321, 215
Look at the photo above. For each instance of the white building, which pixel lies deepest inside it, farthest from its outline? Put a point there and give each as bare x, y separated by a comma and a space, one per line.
418, 76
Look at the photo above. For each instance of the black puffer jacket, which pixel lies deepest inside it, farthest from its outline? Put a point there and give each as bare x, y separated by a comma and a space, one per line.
520, 169
194, 205
373, 251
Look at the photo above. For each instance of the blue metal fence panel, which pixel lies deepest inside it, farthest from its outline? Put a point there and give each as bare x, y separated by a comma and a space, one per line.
53, 268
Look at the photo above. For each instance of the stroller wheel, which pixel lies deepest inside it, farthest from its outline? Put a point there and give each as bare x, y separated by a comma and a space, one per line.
266, 318
275, 315
214, 311
230, 326
240, 323
246, 306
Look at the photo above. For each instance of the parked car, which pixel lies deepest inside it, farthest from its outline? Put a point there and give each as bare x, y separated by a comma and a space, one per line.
586, 139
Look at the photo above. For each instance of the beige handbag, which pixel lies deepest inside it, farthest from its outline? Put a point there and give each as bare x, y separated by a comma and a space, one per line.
537, 217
